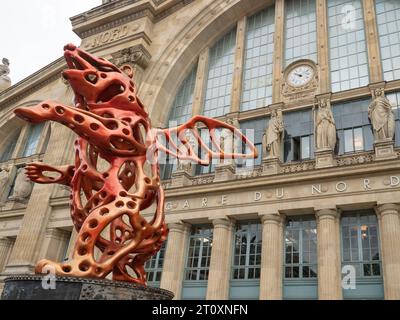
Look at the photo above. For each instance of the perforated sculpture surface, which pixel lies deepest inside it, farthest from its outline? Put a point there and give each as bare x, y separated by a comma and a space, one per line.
113, 128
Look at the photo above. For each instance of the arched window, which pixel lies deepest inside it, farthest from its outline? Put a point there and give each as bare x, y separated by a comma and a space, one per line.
257, 75
9, 147
220, 75
33, 139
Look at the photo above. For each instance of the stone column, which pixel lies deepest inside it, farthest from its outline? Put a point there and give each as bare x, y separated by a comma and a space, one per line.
221, 260
371, 31
389, 222
278, 50
329, 271
174, 260
271, 257
238, 65
323, 47
201, 82
71, 244
31, 235
5, 247
55, 244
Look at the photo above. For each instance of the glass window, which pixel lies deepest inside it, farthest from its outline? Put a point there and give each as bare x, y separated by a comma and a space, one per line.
353, 140
300, 248
199, 253
360, 243
257, 74
220, 75
247, 256
181, 110
155, 264
353, 127
347, 44
388, 20
35, 132
254, 131
9, 147
305, 147
300, 30
299, 135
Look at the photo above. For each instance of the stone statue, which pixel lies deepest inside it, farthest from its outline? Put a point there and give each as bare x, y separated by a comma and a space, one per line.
381, 115
4, 176
325, 128
273, 136
22, 187
227, 139
5, 81
184, 164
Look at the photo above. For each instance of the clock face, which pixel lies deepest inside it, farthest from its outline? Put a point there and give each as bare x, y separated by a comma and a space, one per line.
300, 76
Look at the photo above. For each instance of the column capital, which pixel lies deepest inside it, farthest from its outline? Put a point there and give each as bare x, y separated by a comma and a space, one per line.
271, 218
327, 213
222, 222
178, 226
386, 208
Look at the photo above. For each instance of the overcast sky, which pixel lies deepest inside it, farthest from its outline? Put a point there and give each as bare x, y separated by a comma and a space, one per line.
33, 32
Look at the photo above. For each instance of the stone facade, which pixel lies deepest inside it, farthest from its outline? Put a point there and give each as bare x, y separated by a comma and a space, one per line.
161, 40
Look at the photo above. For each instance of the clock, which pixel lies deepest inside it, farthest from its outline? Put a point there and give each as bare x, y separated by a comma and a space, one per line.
300, 76
300, 81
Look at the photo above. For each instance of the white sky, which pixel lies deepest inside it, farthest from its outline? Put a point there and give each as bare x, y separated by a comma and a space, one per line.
34, 32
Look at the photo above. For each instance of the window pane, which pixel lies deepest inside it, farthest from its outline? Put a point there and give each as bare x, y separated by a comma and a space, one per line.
305, 147
347, 44
154, 265
358, 139
348, 140
220, 75
257, 74
300, 30
33, 139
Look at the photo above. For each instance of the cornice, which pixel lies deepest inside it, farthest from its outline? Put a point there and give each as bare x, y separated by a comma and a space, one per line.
117, 13
32, 83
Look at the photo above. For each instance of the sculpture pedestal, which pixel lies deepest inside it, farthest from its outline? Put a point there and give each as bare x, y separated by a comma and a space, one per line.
30, 287
384, 150
270, 166
180, 178
323, 158
224, 172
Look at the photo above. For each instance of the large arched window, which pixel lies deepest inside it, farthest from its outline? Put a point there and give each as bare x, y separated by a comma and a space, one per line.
217, 100
31, 145
9, 146
257, 75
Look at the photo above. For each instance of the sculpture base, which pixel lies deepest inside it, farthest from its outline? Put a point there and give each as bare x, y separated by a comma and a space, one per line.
31, 287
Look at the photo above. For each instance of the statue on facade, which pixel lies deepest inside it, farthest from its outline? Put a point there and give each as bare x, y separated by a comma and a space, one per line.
22, 186
381, 115
325, 128
273, 136
112, 124
228, 142
185, 164
5, 81
4, 176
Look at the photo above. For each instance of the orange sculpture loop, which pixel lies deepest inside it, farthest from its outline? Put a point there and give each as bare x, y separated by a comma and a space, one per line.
112, 180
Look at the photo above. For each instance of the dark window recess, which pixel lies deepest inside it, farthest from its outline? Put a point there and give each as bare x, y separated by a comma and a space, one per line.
353, 128
299, 135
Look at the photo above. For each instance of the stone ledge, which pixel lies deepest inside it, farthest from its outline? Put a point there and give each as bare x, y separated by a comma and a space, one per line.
29, 287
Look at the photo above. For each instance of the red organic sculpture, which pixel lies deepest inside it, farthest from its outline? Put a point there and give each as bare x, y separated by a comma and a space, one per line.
113, 128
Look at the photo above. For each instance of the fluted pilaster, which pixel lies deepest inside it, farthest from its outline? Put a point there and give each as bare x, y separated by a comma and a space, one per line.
221, 259
329, 271
271, 258
389, 222
174, 260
